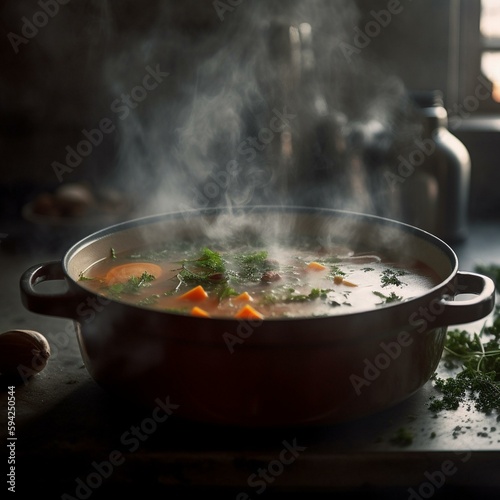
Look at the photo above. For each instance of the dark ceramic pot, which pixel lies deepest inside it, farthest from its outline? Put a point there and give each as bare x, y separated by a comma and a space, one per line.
273, 372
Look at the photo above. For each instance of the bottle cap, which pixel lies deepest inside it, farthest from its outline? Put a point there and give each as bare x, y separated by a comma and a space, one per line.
427, 98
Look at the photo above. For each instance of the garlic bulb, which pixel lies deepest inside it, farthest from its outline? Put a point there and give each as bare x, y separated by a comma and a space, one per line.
23, 353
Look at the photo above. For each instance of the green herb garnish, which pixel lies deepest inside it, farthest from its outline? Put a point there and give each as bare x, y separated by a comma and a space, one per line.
211, 260
255, 258
208, 267
251, 266
225, 291
403, 437
467, 387
315, 293
151, 300
391, 277
336, 271
81, 277
477, 356
132, 285
492, 271
387, 299
478, 382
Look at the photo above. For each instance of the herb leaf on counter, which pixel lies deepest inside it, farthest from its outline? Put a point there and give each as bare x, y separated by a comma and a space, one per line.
478, 358
492, 271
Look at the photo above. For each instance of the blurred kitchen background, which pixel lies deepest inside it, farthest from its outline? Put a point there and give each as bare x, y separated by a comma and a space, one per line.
113, 109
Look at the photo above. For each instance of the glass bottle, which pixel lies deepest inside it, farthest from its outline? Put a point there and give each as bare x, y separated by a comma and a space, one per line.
436, 190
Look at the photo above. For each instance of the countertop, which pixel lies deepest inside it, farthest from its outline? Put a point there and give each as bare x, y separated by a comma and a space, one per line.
73, 440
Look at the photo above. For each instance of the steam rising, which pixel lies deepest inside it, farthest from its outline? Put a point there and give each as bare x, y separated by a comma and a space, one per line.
262, 107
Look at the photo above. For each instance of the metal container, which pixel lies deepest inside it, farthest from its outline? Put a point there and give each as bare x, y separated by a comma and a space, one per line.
435, 193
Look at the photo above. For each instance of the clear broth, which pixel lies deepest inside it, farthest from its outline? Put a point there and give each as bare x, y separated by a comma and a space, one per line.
306, 280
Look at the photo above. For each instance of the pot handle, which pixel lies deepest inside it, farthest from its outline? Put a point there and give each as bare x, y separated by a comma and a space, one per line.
62, 304
469, 310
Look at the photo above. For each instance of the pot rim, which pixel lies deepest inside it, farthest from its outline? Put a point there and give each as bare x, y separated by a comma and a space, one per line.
409, 304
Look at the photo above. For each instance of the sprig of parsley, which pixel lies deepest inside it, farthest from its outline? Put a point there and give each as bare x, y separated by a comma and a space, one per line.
391, 277
207, 267
387, 299
132, 285
478, 358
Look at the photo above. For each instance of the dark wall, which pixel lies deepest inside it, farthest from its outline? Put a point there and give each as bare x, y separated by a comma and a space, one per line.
413, 41
64, 76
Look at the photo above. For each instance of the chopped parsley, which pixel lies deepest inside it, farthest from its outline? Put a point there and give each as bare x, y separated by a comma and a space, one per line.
217, 273
255, 258
224, 291
477, 356
402, 437
387, 299
469, 387
336, 271
492, 271
151, 300
82, 277
251, 266
211, 261
391, 277
208, 267
315, 293
132, 285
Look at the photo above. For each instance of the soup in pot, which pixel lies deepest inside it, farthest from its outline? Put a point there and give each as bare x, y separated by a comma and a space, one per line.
257, 282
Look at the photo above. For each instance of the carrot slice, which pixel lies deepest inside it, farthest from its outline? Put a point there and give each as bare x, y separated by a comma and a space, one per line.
198, 311
196, 294
316, 266
248, 312
348, 283
339, 280
243, 297
121, 274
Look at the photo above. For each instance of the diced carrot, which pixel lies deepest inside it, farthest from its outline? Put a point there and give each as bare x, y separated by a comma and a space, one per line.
121, 274
196, 294
316, 266
248, 312
348, 283
243, 297
339, 280
198, 311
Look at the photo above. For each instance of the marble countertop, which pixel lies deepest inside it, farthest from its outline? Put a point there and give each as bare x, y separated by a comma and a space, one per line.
75, 441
